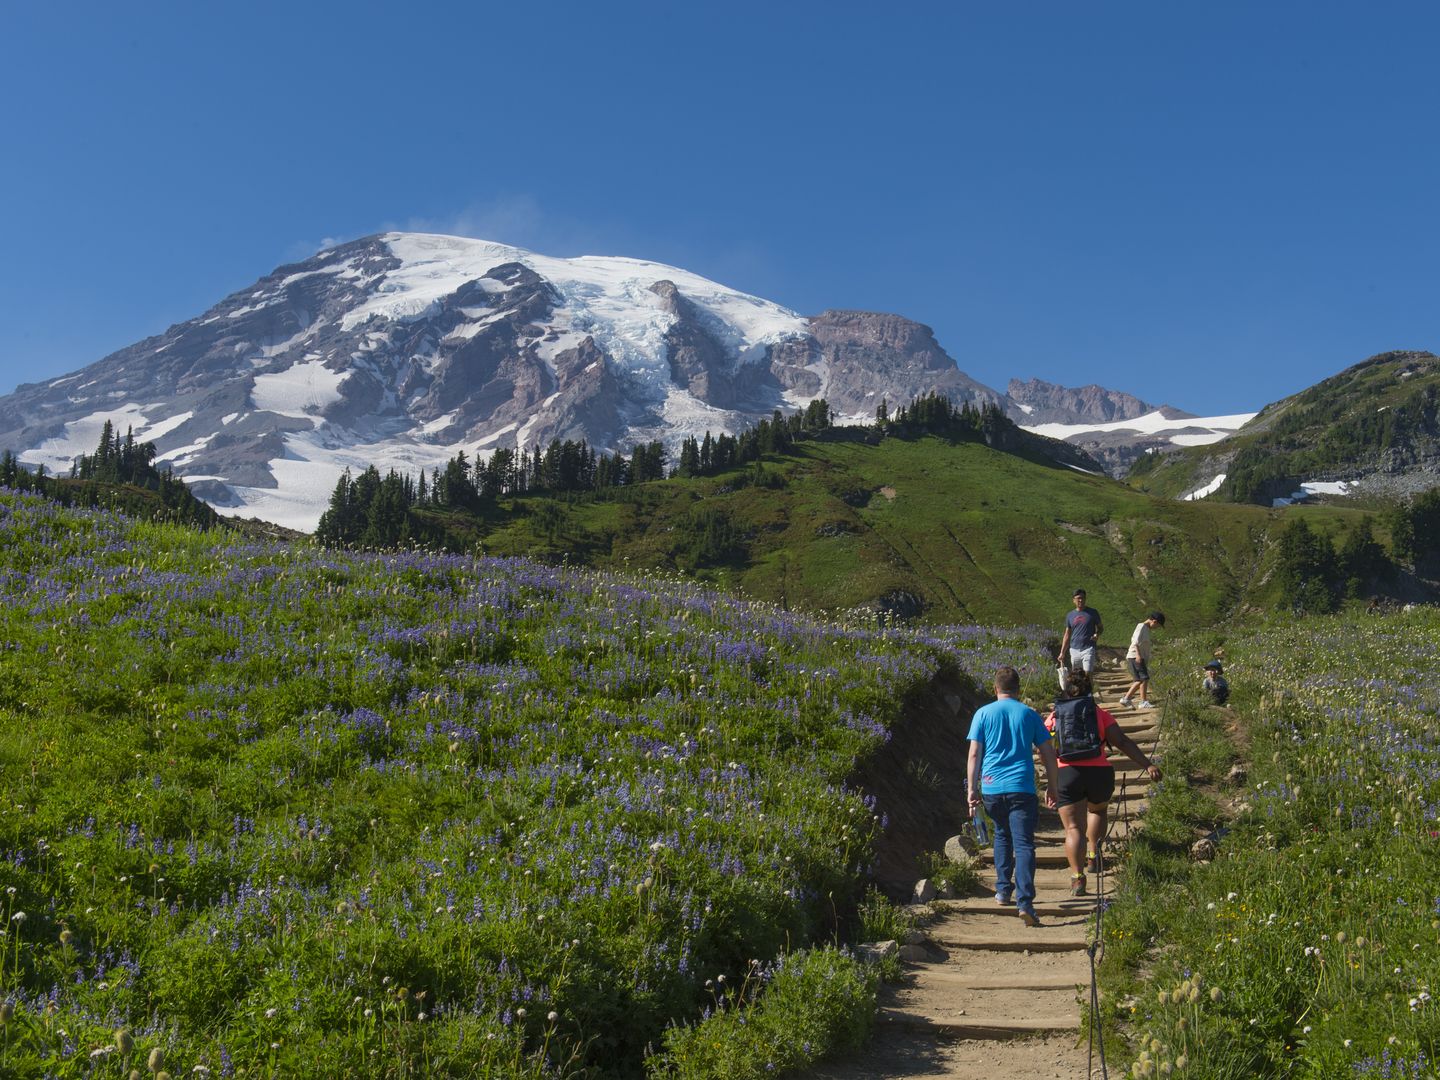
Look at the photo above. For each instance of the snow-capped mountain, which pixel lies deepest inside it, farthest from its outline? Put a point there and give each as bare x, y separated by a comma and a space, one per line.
403, 349
1113, 427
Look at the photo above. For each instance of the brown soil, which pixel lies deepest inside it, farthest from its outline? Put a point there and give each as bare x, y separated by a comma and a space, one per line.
918, 781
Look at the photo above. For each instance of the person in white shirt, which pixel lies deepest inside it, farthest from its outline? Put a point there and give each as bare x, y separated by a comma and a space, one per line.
1137, 659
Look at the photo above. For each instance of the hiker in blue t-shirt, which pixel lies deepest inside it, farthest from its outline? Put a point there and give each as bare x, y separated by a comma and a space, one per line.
1002, 775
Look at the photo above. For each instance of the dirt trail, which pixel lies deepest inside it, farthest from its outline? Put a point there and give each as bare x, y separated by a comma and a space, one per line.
998, 995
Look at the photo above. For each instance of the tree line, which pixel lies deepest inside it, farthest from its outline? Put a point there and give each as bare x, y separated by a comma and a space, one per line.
372, 509
102, 478
1317, 574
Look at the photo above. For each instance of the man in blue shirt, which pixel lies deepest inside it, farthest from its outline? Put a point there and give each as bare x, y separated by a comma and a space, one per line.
1002, 774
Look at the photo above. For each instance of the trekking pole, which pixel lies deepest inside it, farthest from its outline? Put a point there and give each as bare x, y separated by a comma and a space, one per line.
1096, 952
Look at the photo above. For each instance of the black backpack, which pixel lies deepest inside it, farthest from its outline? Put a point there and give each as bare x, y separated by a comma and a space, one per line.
1077, 729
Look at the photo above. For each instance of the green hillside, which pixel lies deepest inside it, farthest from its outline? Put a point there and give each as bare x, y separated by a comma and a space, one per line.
1376, 417
268, 810
925, 526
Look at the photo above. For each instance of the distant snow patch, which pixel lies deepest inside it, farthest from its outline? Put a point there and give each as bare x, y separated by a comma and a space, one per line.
1209, 489
1310, 488
1214, 428
308, 471
495, 435
301, 390
523, 435
183, 455
83, 436
440, 423
1199, 439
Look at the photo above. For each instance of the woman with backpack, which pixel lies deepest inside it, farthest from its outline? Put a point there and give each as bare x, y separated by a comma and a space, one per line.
1081, 731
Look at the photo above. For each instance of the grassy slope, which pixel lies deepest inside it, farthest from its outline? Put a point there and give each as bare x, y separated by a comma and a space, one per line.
1310, 945
1316, 431
976, 533
350, 814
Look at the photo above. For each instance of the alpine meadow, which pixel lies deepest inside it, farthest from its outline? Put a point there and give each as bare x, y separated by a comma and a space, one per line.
746, 541
284, 811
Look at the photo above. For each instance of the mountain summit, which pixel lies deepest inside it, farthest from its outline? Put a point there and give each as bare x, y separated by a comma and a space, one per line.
403, 349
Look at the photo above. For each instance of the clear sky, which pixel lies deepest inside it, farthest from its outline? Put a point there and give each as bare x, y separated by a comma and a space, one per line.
1209, 204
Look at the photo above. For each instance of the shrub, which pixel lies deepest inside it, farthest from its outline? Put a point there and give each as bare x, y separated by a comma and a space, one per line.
808, 1006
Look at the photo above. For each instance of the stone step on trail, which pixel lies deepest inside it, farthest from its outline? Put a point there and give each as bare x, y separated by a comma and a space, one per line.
996, 1013
986, 906
968, 930
958, 979
1046, 856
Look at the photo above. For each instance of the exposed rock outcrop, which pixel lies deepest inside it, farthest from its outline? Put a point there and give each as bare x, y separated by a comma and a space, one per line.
1038, 402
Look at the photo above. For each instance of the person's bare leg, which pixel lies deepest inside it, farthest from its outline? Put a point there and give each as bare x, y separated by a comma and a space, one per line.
1095, 821
1073, 818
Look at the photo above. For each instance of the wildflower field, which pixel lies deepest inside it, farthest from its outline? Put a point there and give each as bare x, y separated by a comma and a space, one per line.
1310, 945
272, 810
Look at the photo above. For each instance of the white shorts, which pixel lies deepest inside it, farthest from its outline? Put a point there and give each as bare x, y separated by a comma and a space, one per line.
1084, 659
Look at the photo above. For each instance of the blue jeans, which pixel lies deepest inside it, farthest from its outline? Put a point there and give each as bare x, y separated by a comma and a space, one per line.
1015, 815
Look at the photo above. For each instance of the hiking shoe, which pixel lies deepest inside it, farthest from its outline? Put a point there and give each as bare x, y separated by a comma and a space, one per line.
1029, 918
1092, 863
1004, 899
1146, 705
1125, 702
1077, 884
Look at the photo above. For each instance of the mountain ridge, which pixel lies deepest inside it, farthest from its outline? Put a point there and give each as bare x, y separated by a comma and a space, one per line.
403, 349
1370, 430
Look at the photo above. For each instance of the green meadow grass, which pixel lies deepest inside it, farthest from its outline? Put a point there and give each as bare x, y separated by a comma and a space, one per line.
268, 810
1310, 945
975, 534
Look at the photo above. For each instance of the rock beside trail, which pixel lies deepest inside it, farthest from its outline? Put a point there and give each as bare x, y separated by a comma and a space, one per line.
875, 951
924, 892
961, 848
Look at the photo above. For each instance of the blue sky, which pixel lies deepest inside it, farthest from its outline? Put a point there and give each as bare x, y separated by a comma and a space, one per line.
1207, 204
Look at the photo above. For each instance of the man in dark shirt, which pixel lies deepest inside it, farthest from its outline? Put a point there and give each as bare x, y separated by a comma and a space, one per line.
1082, 628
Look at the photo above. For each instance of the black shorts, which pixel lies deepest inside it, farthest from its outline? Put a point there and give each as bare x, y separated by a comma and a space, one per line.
1093, 784
1138, 671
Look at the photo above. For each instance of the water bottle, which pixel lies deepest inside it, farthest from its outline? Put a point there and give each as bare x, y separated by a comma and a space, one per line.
982, 833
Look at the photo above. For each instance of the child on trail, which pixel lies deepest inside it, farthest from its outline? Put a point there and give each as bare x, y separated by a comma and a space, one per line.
1137, 659
1087, 782
1215, 684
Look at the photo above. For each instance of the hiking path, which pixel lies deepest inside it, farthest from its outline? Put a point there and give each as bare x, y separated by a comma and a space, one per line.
998, 996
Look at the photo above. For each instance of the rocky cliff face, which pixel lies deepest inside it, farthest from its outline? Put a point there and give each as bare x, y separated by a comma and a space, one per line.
403, 349
855, 359
1039, 402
